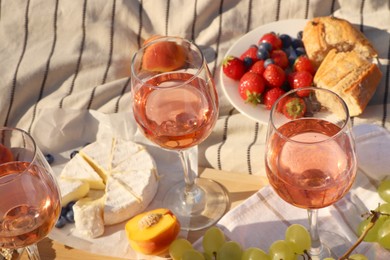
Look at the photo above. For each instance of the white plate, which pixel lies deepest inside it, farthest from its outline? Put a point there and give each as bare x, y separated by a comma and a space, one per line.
230, 87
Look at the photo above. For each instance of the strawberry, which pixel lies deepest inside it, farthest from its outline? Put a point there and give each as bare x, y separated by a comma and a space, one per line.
294, 108
5, 154
302, 63
273, 39
251, 52
233, 67
280, 58
271, 96
300, 79
274, 76
251, 87
258, 67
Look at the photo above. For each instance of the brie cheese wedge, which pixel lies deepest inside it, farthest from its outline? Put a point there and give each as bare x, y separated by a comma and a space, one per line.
88, 216
72, 190
122, 177
79, 169
127, 195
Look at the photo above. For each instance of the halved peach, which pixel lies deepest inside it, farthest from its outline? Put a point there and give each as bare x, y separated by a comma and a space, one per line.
152, 232
163, 56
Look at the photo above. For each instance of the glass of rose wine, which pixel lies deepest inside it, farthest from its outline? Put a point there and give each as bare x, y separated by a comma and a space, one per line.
30, 199
175, 105
310, 155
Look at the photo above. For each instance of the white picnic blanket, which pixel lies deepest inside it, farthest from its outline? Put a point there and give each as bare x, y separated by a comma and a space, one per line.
76, 55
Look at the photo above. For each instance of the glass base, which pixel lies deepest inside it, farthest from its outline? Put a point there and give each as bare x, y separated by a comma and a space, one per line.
333, 245
200, 207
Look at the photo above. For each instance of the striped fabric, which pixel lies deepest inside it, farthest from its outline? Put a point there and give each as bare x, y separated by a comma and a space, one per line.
76, 55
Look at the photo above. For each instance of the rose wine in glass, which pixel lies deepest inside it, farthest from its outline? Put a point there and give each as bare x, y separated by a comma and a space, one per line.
31, 200
175, 105
310, 157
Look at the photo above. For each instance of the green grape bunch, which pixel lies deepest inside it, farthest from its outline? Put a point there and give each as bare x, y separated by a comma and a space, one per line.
376, 227
216, 247
296, 243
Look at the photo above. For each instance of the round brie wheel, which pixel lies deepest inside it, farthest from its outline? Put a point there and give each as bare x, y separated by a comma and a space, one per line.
122, 170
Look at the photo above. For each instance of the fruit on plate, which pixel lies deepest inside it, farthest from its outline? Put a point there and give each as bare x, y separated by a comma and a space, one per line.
303, 63
274, 76
294, 107
258, 67
278, 59
301, 79
152, 232
5, 154
163, 56
233, 67
273, 39
251, 53
251, 87
271, 96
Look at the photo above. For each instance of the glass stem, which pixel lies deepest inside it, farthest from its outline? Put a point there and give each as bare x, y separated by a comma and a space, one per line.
316, 246
189, 175
33, 253
193, 195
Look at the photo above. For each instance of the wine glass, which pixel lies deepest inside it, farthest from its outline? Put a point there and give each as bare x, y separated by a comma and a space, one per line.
175, 105
30, 204
310, 154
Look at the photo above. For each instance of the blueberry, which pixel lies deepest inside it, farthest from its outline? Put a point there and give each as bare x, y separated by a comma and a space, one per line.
268, 62
262, 54
286, 40
72, 154
300, 51
70, 205
296, 43
287, 51
70, 216
292, 57
291, 60
248, 62
299, 35
61, 222
49, 158
265, 46
64, 210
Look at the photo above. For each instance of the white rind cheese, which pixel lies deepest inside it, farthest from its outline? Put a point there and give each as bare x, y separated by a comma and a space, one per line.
123, 148
126, 194
72, 190
88, 216
78, 169
99, 156
141, 160
126, 172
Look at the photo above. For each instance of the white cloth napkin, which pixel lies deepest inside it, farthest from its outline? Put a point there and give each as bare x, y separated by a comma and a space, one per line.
264, 217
